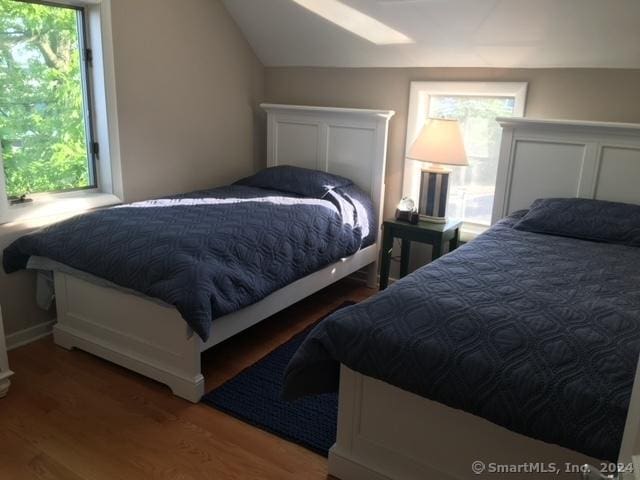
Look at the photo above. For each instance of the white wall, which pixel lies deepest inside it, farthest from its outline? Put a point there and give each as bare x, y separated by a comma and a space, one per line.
188, 86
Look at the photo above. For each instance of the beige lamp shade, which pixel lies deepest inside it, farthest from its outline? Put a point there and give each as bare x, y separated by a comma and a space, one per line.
439, 142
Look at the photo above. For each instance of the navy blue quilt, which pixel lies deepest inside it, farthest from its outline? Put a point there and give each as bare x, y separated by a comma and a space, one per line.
537, 333
208, 253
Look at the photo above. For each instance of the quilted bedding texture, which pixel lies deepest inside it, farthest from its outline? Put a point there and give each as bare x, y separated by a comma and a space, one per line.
208, 253
537, 333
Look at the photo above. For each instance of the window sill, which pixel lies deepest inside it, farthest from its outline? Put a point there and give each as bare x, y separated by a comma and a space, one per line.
49, 208
470, 231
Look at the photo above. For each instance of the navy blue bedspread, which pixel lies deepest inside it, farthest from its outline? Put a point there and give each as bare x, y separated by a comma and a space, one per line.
537, 333
208, 253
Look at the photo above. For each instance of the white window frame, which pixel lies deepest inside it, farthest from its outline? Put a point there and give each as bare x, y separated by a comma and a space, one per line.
419, 100
105, 123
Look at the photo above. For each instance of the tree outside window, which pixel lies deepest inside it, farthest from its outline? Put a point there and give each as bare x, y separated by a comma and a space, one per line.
44, 130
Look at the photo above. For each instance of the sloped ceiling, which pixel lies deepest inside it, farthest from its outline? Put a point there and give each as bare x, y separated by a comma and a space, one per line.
444, 33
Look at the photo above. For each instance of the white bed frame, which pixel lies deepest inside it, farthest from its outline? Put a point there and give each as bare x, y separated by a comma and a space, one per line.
385, 433
154, 340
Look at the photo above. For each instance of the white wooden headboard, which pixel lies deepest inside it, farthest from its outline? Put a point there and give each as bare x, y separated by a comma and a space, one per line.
559, 158
346, 141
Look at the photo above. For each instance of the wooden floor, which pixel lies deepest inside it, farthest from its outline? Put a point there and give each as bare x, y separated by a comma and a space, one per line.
69, 415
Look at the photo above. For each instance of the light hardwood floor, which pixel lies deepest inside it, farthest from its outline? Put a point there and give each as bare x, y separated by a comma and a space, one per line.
69, 415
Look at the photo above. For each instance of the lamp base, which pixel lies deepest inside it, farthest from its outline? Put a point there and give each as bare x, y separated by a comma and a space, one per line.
434, 190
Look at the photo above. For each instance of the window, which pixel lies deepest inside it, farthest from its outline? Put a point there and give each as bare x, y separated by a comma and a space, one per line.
56, 138
475, 105
45, 127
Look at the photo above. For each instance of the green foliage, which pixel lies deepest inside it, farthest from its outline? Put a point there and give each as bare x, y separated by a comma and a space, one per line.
477, 107
42, 124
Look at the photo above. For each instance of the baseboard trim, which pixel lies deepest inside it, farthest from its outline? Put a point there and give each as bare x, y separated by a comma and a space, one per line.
28, 335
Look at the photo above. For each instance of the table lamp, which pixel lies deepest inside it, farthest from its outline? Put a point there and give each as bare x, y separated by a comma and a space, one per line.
439, 143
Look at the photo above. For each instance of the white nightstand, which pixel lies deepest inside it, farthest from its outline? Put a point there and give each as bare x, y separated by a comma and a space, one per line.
5, 373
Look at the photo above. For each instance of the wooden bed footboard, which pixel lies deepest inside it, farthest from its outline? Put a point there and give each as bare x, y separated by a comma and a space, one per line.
154, 340
130, 331
385, 433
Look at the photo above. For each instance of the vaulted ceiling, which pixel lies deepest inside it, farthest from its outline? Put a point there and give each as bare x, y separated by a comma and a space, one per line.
442, 33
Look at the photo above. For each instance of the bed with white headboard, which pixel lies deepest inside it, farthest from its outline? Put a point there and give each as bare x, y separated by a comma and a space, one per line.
153, 339
559, 158
385, 433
